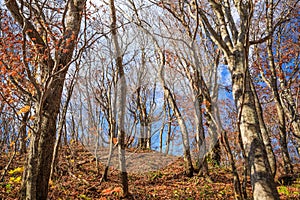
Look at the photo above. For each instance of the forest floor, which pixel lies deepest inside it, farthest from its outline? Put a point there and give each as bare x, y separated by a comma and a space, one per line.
78, 177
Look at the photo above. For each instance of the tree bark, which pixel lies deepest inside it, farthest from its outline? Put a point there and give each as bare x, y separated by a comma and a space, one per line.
200, 137
288, 168
236, 179
41, 149
112, 132
169, 125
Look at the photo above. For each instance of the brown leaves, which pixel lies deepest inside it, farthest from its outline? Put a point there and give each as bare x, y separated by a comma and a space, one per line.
169, 183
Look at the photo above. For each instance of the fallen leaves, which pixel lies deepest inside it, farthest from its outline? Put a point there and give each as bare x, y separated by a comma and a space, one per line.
72, 181
110, 191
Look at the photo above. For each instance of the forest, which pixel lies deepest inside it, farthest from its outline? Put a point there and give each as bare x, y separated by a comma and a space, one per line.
149, 99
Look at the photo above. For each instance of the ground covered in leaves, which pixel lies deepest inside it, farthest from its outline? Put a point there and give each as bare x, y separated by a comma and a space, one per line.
78, 176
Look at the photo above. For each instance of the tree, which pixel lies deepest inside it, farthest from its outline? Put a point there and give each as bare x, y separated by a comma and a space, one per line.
142, 101
272, 82
52, 59
234, 40
121, 99
62, 118
235, 49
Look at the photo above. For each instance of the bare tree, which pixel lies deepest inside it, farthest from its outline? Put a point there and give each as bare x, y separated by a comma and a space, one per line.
234, 40
121, 99
272, 83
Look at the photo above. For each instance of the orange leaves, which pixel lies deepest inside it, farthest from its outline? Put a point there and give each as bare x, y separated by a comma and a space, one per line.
12, 144
115, 140
171, 58
206, 102
24, 109
13, 73
29, 31
14, 62
73, 37
3, 69
65, 50
107, 191
27, 59
110, 191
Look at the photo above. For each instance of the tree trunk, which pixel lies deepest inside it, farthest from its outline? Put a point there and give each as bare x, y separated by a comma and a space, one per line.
261, 175
201, 145
183, 128
169, 130
162, 128
288, 168
121, 100
111, 150
61, 123
264, 132
196, 87
41, 146
145, 131
149, 131
273, 84
168, 139
23, 132
289, 104
236, 179
112, 134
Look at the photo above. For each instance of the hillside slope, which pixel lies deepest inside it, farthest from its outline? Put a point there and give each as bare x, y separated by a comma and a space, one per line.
77, 177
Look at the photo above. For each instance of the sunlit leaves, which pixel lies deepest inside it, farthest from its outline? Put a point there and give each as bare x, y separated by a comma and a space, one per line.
15, 179
24, 109
17, 170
